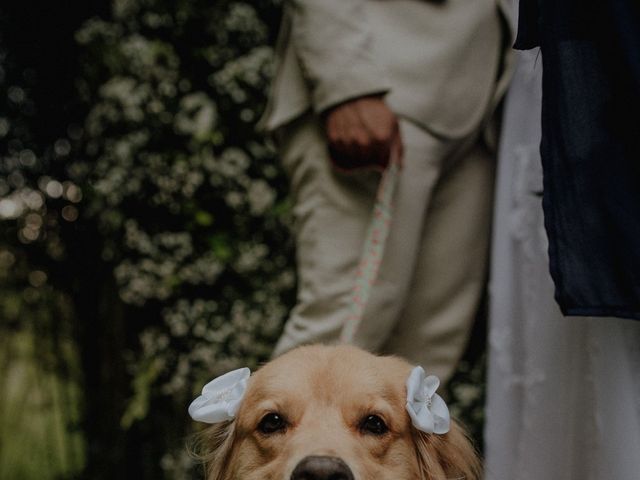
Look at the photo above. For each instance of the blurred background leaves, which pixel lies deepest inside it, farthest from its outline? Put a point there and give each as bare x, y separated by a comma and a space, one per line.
144, 229
144, 245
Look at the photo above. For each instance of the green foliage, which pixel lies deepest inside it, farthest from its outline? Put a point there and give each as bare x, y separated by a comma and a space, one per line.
40, 397
184, 191
181, 200
35, 414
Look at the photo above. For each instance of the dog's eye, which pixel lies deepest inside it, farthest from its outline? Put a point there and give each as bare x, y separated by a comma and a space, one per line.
373, 424
272, 423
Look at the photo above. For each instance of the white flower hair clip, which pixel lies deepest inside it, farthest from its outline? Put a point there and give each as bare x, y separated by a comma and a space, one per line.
221, 397
428, 411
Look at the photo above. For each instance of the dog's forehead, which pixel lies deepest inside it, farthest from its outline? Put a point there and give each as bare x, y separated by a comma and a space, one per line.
321, 371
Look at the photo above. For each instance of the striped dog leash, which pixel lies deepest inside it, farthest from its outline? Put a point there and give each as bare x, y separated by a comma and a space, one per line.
373, 250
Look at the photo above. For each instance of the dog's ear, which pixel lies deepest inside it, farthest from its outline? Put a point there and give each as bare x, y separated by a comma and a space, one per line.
448, 456
213, 448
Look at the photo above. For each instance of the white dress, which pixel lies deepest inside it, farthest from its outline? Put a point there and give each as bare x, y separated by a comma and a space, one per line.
563, 392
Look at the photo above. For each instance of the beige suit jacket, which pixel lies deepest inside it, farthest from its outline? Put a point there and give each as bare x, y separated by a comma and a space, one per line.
437, 61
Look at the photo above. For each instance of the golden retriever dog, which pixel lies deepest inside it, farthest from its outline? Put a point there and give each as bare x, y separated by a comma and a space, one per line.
332, 413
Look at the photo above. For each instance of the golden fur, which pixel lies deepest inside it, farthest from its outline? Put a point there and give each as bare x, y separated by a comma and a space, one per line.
324, 393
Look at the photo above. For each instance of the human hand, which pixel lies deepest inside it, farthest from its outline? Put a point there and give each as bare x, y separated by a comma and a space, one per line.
363, 133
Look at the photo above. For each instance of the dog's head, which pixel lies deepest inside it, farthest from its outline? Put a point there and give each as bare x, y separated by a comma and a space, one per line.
332, 413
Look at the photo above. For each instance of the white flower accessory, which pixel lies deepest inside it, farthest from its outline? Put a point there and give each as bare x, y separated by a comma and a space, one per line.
426, 408
220, 397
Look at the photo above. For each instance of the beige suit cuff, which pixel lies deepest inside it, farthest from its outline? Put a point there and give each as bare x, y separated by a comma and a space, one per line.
362, 81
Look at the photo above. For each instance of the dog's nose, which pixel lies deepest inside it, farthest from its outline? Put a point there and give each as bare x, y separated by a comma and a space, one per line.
321, 468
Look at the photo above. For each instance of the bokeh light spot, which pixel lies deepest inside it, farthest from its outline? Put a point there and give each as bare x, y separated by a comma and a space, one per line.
30, 234
34, 199
7, 259
37, 278
4, 127
62, 147
9, 208
70, 213
33, 220
54, 189
72, 192
27, 158
16, 179
16, 94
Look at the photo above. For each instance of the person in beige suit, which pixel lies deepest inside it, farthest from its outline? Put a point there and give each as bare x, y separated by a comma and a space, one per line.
355, 80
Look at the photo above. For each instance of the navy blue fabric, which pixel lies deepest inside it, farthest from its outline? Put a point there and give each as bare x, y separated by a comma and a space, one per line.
590, 149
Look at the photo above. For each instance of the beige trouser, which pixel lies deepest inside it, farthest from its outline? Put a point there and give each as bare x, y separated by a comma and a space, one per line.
434, 266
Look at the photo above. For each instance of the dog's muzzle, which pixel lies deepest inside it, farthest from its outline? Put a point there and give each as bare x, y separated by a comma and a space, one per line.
321, 468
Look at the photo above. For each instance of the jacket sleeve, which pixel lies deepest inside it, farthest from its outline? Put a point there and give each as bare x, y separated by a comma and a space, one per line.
333, 44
